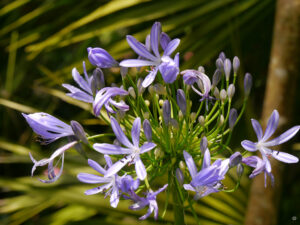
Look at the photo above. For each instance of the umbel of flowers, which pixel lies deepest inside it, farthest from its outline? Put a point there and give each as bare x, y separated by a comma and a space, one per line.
163, 121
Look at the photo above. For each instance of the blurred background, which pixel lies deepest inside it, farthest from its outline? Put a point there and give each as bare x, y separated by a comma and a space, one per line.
42, 40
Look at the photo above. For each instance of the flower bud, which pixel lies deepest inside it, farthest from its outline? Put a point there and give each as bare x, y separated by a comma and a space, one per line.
223, 95
216, 77
97, 81
230, 91
158, 153
181, 101
140, 87
146, 115
222, 56
180, 115
201, 120
78, 131
201, 69
221, 120
182, 165
166, 111
235, 64
220, 64
147, 130
203, 145
132, 92
227, 68
161, 102
120, 115
117, 142
247, 83
174, 123
239, 170
193, 117
160, 89
232, 118
147, 103
151, 90
101, 58
216, 93
179, 176
235, 159
123, 71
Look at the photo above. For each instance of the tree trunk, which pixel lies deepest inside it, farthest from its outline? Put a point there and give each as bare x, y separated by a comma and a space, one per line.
280, 91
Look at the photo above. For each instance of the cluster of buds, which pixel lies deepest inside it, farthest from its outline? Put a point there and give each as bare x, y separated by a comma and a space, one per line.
172, 118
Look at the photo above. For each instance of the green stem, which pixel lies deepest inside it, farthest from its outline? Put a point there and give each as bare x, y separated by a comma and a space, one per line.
178, 209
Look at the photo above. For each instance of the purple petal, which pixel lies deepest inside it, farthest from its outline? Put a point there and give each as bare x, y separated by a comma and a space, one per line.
119, 133
111, 149
188, 187
135, 132
290, 133
81, 96
101, 58
149, 211
267, 162
92, 179
285, 157
114, 198
271, 126
257, 128
169, 71
117, 166
140, 169
147, 147
108, 161
97, 189
147, 43
139, 48
206, 159
136, 63
249, 145
80, 81
190, 164
164, 40
96, 166
155, 38
171, 47
150, 78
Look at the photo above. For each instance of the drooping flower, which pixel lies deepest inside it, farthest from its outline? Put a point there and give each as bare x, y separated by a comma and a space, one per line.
260, 167
51, 170
104, 98
263, 144
149, 200
48, 127
168, 67
132, 150
194, 76
112, 184
208, 179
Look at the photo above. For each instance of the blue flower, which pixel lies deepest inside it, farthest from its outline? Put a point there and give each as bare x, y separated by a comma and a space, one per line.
263, 145
112, 184
168, 67
132, 150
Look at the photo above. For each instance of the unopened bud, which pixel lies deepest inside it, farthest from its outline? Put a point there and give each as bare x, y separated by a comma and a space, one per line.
151, 90
97, 81
230, 91
182, 165
78, 131
201, 120
193, 117
181, 101
147, 130
174, 123
227, 68
179, 176
132, 92
160, 89
158, 153
222, 56
166, 111
101, 58
240, 170
146, 115
147, 102
247, 83
117, 142
140, 87
120, 115
216, 93
220, 64
223, 95
203, 144
123, 71
236, 64
216, 77
221, 120
232, 118
201, 69
235, 159
180, 115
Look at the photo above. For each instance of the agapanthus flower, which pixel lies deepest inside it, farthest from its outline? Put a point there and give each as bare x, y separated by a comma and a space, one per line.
260, 167
194, 76
168, 67
104, 97
132, 150
149, 200
112, 184
208, 179
48, 127
86, 93
263, 144
51, 169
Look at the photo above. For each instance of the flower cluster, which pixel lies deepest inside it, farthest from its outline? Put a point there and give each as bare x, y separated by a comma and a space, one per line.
163, 123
